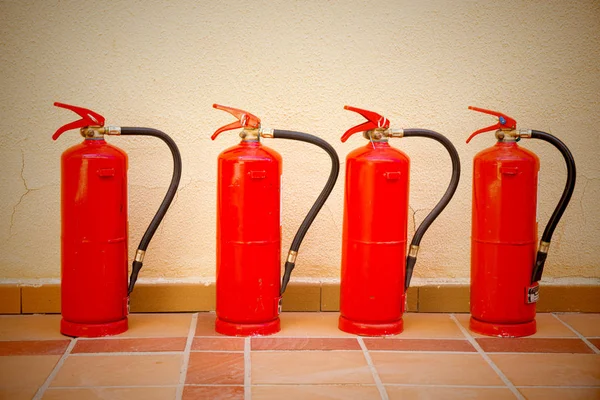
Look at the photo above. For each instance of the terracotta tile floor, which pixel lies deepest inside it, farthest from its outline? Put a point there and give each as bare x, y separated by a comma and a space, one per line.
179, 356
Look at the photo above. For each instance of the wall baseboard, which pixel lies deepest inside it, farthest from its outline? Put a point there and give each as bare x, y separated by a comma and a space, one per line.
300, 296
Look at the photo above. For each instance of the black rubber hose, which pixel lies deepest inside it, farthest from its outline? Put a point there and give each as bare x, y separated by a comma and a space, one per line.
538, 268
308, 220
164, 206
412, 260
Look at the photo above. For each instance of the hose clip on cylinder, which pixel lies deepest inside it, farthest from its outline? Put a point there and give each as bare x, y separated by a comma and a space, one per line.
139, 255
266, 132
292, 256
112, 130
414, 250
544, 247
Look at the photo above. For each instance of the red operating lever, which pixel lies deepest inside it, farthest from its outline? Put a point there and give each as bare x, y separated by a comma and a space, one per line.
245, 120
504, 122
88, 118
374, 121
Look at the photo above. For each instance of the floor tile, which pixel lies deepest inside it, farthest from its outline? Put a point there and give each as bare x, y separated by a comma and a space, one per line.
119, 370
550, 369
18, 393
30, 327
533, 345
429, 368
586, 324
560, 393
153, 393
129, 345
25, 371
206, 324
218, 343
395, 343
310, 367
547, 327
430, 326
213, 392
448, 393
315, 392
216, 368
158, 325
306, 343
311, 324
33, 347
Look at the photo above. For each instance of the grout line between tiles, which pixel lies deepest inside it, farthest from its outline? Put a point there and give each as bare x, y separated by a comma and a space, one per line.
186, 356
487, 358
42, 389
376, 378
579, 335
247, 369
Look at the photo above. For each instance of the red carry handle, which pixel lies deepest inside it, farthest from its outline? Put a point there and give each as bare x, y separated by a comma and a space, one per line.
374, 121
245, 120
88, 118
504, 122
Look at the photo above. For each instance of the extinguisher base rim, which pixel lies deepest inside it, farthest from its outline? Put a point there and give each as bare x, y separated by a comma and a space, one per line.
502, 330
74, 329
244, 329
371, 328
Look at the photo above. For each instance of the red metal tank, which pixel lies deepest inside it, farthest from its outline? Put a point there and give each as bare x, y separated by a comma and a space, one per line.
248, 236
94, 239
375, 273
372, 294
504, 237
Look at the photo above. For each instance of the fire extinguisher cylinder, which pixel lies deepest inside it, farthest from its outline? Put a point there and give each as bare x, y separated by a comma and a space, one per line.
249, 285
505, 269
376, 271
94, 289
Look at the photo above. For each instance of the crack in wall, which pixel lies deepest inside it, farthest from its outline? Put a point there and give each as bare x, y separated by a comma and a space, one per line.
27, 191
413, 216
337, 228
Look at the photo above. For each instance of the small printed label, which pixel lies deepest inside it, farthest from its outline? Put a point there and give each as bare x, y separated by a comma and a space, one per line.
533, 294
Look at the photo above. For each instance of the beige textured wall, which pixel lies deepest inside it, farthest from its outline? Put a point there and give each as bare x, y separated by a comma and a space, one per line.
295, 64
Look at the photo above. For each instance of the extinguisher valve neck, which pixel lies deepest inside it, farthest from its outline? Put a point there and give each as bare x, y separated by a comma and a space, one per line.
250, 135
92, 132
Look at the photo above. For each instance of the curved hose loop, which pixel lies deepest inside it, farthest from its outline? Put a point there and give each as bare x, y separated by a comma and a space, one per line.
411, 259
542, 253
310, 217
164, 206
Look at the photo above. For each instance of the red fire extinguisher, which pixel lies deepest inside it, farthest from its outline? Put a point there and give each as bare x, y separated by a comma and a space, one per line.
504, 267
375, 273
249, 227
94, 290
